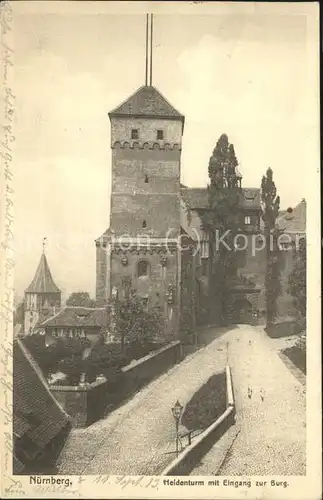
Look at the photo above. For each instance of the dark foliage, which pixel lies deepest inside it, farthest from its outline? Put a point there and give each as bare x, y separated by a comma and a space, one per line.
134, 322
207, 404
50, 358
81, 299
222, 220
270, 208
297, 278
297, 355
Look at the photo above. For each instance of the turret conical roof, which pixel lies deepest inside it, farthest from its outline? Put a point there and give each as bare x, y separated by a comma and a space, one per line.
43, 281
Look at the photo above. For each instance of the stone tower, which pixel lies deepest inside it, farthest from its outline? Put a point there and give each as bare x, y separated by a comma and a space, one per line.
41, 295
140, 252
140, 249
146, 139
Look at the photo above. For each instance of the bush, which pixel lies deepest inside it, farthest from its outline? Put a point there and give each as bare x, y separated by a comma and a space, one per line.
283, 329
106, 360
297, 356
41, 354
72, 367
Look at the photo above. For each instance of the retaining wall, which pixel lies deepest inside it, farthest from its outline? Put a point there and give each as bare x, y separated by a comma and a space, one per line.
89, 402
193, 453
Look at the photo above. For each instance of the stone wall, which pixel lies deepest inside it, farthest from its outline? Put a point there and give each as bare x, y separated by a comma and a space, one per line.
145, 190
121, 130
102, 258
194, 452
163, 272
142, 371
88, 403
85, 404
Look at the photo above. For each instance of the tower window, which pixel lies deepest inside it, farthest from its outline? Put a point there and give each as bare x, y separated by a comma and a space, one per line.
160, 135
142, 269
146, 178
247, 220
144, 223
134, 133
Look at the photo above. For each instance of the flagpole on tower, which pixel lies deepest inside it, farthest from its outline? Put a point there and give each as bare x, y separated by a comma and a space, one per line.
147, 36
151, 49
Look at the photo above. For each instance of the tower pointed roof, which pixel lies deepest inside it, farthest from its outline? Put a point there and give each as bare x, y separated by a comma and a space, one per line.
147, 101
43, 281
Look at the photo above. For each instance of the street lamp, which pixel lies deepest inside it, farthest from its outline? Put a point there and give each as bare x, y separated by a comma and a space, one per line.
177, 412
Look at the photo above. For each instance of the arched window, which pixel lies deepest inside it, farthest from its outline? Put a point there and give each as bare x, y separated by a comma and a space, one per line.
144, 223
247, 220
142, 268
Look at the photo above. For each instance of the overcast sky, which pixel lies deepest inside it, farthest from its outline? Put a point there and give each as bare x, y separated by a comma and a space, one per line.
243, 74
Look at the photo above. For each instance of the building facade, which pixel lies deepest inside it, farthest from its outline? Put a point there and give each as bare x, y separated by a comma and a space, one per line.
75, 323
155, 244
42, 297
140, 249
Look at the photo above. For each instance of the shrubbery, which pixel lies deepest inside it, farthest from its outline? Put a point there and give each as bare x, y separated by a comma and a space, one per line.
137, 329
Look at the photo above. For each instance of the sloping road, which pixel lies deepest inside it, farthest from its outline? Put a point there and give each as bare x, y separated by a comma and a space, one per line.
139, 437
271, 413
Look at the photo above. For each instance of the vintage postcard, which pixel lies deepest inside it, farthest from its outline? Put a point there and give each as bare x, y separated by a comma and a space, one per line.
160, 250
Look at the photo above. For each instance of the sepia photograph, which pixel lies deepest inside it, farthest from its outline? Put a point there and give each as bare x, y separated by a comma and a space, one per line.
164, 168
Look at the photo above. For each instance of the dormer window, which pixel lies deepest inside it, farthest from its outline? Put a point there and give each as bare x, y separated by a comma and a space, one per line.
247, 220
160, 135
134, 134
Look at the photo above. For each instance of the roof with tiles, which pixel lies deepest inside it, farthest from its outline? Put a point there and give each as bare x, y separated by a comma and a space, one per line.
293, 220
43, 281
78, 317
147, 101
37, 416
197, 198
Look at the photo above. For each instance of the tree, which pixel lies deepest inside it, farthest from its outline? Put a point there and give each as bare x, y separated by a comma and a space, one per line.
270, 208
134, 323
222, 219
72, 367
297, 278
19, 313
106, 360
81, 299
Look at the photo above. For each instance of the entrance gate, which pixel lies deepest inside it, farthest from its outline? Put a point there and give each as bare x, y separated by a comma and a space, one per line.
242, 312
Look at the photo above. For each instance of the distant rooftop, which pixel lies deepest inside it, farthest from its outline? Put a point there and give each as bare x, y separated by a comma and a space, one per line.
37, 417
197, 198
293, 220
78, 317
43, 281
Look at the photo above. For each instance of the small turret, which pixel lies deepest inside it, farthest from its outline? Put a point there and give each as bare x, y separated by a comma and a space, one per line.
41, 295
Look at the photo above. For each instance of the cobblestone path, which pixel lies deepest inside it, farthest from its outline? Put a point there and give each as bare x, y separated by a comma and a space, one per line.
271, 412
139, 437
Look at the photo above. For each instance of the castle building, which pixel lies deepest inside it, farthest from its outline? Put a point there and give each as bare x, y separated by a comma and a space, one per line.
140, 249
154, 244
42, 297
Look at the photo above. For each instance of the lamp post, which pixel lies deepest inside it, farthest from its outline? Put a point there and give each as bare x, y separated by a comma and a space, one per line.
177, 412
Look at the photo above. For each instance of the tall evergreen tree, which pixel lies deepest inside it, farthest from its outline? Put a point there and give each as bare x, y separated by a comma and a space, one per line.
297, 278
270, 208
222, 218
